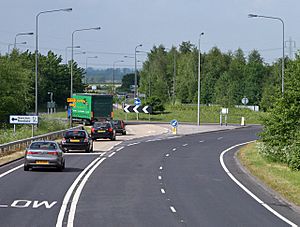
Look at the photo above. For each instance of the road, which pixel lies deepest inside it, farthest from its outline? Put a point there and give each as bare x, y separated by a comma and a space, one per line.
161, 180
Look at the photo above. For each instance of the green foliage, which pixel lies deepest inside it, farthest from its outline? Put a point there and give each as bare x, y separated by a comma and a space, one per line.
156, 103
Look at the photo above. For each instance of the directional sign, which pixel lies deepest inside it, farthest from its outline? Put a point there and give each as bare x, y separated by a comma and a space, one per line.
174, 123
23, 119
71, 100
137, 102
245, 100
137, 109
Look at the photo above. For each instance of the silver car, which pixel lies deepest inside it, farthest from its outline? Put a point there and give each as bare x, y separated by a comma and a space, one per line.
44, 154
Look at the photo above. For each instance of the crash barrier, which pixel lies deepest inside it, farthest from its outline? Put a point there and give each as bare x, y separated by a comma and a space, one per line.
22, 144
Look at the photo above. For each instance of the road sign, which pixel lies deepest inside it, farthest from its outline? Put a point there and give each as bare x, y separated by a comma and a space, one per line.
137, 109
23, 119
71, 100
137, 102
245, 100
72, 104
174, 123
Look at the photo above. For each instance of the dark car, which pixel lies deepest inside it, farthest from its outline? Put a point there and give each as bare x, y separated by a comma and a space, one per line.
103, 130
119, 126
44, 154
77, 140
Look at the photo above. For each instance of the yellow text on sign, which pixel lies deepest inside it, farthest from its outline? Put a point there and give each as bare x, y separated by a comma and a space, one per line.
71, 100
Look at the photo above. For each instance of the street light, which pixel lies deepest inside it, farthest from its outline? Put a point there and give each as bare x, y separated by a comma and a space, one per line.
86, 64
71, 89
199, 64
76, 47
113, 78
282, 64
37, 50
12, 44
19, 34
135, 73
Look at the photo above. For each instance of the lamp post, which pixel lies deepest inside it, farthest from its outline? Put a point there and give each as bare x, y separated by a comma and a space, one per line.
135, 73
282, 64
66, 55
19, 34
113, 78
86, 65
199, 64
12, 44
71, 88
37, 50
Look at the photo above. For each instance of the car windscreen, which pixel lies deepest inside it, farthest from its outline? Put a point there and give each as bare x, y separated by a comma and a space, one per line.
77, 134
43, 146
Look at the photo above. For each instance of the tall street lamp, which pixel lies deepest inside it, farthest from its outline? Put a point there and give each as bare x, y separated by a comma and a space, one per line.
113, 78
199, 64
66, 50
282, 64
86, 65
71, 88
19, 34
37, 50
14, 44
135, 73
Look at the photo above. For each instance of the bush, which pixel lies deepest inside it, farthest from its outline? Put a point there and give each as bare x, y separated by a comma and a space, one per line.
155, 103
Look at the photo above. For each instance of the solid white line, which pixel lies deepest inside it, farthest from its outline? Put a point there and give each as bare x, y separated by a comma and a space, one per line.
78, 192
247, 190
111, 154
11, 170
3, 206
159, 177
120, 148
161, 168
162, 191
131, 144
73, 154
173, 209
167, 155
67, 197
174, 149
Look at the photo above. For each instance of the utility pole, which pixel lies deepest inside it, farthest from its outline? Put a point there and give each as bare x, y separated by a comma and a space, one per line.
291, 44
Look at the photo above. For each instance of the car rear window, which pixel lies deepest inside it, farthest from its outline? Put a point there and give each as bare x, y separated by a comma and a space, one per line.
101, 125
77, 134
116, 123
43, 146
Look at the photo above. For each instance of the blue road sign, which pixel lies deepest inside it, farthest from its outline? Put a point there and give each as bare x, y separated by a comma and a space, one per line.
174, 123
137, 102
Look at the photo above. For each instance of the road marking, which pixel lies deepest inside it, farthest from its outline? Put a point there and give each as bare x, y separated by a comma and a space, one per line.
201, 141
11, 170
173, 209
162, 191
73, 154
111, 154
167, 155
131, 144
159, 177
184, 145
67, 197
3, 206
161, 168
247, 190
78, 192
174, 149
120, 148
219, 138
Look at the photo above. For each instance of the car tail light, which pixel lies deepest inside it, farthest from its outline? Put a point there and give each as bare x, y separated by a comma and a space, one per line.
86, 140
31, 152
93, 130
110, 129
53, 153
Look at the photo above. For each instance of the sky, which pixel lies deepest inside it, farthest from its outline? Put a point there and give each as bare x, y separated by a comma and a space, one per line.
127, 23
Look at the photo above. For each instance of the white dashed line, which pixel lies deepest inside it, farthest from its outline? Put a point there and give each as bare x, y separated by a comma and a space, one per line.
120, 148
201, 141
159, 177
131, 144
161, 168
111, 154
92, 153
247, 190
184, 145
162, 191
173, 209
167, 155
220, 138
3, 206
174, 149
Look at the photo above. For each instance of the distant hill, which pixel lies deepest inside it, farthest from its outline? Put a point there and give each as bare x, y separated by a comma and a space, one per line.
105, 75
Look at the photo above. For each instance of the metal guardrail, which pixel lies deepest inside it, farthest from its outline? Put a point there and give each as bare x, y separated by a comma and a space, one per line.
22, 144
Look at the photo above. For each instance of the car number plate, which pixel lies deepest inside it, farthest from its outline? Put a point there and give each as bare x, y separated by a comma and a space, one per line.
42, 162
101, 130
74, 140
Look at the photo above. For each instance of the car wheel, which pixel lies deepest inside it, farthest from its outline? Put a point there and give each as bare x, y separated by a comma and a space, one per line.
124, 133
26, 167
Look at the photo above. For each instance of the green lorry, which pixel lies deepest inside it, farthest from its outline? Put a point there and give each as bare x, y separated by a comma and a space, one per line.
92, 107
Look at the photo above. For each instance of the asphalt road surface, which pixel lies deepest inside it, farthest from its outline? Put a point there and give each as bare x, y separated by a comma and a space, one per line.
156, 181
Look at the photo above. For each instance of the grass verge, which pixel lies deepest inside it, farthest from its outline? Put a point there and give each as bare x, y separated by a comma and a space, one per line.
277, 176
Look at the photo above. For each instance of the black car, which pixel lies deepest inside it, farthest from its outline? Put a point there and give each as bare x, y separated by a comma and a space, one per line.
77, 140
119, 126
103, 130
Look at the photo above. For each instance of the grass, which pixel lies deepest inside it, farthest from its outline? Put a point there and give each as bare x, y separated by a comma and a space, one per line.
277, 176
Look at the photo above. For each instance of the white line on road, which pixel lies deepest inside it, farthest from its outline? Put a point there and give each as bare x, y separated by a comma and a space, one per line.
159, 177
111, 154
120, 148
174, 149
201, 141
131, 144
167, 155
3, 206
73, 154
161, 168
184, 145
11, 170
247, 190
219, 138
162, 191
173, 209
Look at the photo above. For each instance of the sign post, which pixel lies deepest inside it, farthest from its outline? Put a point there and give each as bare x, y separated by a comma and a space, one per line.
174, 124
137, 103
24, 119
